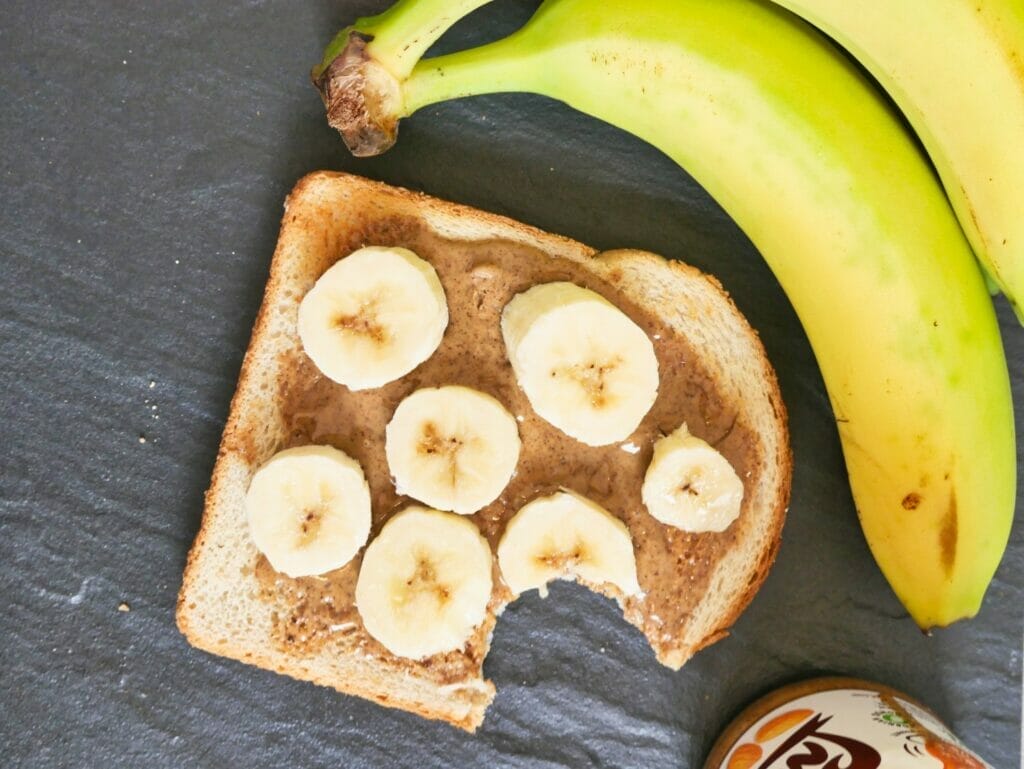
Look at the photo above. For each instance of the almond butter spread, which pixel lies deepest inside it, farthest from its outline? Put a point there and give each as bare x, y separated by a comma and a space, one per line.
479, 279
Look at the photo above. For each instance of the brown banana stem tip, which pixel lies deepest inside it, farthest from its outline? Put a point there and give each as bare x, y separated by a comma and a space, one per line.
360, 98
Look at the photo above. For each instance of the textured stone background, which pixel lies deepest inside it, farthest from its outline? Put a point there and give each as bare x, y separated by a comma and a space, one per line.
147, 149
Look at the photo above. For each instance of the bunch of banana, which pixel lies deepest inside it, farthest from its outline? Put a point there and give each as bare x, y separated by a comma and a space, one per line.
819, 172
956, 70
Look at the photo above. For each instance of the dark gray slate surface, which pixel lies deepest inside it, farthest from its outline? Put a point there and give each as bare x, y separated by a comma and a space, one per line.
146, 151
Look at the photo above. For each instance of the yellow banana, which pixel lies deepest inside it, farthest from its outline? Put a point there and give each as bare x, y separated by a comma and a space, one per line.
810, 161
956, 69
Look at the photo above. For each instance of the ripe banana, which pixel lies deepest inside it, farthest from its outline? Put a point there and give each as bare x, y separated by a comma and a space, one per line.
956, 69
566, 536
308, 510
811, 162
452, 448
690, 485
373, 317
584, 365
424, 583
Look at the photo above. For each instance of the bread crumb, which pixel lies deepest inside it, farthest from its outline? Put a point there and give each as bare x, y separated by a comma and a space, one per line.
123, 607
152, 384
142, 439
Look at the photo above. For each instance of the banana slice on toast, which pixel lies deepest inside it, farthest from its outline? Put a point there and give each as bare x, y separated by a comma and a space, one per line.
563, 536
690, 485
308, 510
453, 448
424, 583
373, 317
584, 365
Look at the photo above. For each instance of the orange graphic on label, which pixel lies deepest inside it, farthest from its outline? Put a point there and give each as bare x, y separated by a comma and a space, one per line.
745, 756
951, 756
782, 724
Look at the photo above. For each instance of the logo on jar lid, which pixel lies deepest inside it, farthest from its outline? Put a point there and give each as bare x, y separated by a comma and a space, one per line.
808, 745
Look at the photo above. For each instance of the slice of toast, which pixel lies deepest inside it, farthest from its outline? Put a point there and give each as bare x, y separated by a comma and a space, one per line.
715, 377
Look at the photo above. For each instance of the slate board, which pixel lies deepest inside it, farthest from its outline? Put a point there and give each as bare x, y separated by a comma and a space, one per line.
147, 149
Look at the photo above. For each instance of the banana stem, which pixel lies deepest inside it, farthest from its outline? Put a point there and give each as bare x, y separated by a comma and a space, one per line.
363, 73
401, 34
410, 27
493, 68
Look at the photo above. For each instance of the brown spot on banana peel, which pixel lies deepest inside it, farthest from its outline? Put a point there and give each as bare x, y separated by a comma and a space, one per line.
948, 528
948, 533
357, 103
911, 501
986, 248
974, 218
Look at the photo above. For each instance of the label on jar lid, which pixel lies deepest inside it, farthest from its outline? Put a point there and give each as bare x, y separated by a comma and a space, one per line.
849, 729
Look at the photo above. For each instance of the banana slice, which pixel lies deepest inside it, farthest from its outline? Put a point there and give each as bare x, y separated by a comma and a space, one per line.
309, 510
690, 485
585, 366
452, 448
424, 583
373, 317
564, 536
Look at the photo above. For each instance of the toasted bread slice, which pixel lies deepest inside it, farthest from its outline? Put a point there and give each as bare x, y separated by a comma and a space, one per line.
231, 602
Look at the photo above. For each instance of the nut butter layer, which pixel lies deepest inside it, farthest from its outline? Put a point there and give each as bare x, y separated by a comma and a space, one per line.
479, 279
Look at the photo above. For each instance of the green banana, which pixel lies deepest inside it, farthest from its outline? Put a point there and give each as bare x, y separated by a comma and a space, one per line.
818, 171
956, 70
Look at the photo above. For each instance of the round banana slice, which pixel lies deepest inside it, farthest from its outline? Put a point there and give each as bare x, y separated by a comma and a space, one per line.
690, 485
309, 510
584, 365
452, 448
424, 583
565, 536
373, 317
